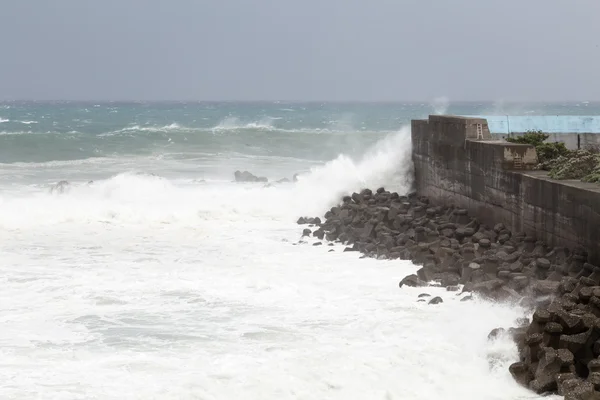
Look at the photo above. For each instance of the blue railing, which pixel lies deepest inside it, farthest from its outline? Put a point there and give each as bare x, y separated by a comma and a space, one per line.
499, 124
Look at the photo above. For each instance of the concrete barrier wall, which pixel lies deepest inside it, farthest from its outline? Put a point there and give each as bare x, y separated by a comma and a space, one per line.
495, 182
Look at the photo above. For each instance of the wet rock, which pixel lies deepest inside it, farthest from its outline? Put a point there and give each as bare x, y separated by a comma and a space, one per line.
556, 348
495, 333
521, 373
248, 177
412, 281
60, 187
436, 300
579, 389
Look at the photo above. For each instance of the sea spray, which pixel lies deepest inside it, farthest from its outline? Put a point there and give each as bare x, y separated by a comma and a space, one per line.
388, 162
440, 105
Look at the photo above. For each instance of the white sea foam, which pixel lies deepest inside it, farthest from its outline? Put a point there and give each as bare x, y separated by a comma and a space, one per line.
387, 163
139, 287
139, 128
4, 120
233, 124
341, 126
12, 133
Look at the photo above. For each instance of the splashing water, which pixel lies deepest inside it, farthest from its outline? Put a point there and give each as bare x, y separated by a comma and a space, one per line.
440, 105
387, 163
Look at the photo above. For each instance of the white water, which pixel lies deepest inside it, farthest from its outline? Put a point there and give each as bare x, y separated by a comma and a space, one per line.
140, 287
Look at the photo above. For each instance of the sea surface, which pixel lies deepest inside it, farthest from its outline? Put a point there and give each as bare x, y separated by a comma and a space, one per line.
153, 275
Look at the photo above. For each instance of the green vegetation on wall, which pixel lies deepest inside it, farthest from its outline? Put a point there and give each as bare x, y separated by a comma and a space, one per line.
560, 162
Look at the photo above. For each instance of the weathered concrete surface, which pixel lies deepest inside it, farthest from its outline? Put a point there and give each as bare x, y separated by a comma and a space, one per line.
495, 182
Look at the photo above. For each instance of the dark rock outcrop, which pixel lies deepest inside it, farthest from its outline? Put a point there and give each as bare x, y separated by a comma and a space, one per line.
559, 349
436, 300
60, 187
248, 177
452, 248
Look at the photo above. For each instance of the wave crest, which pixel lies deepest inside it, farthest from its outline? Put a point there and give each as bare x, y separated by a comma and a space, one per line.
139, 198
234, 124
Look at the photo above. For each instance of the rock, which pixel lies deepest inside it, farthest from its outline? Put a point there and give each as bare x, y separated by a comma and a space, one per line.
545, 374
543, 263
559, 348
450, 280
521, 373
317, 244
546, 287
60, 187
499, 228
436, 300
468, 272
578, 389
412, 281
306, 232
495, 333
248, 177
485, 243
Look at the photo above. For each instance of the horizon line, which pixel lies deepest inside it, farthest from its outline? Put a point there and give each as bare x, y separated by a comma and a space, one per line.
430, 101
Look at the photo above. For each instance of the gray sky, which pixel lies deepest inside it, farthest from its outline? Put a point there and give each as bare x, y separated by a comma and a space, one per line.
300, 49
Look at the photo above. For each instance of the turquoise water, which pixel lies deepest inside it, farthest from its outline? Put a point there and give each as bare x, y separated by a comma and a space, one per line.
42, 132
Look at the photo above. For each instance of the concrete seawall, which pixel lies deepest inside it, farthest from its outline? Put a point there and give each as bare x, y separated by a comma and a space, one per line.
456, 161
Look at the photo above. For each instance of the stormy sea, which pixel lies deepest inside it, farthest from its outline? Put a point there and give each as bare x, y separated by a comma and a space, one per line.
149, 273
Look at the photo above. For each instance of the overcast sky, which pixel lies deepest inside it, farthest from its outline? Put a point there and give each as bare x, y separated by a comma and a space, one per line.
300, 49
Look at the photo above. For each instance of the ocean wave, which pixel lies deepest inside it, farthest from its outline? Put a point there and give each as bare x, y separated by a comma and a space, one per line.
11, 133
387, 162
174, 127
233, 124
27, 122
142, 198
31, 132
57, 163
4, 120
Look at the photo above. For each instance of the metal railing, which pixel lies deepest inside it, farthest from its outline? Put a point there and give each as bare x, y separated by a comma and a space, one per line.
508, 124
